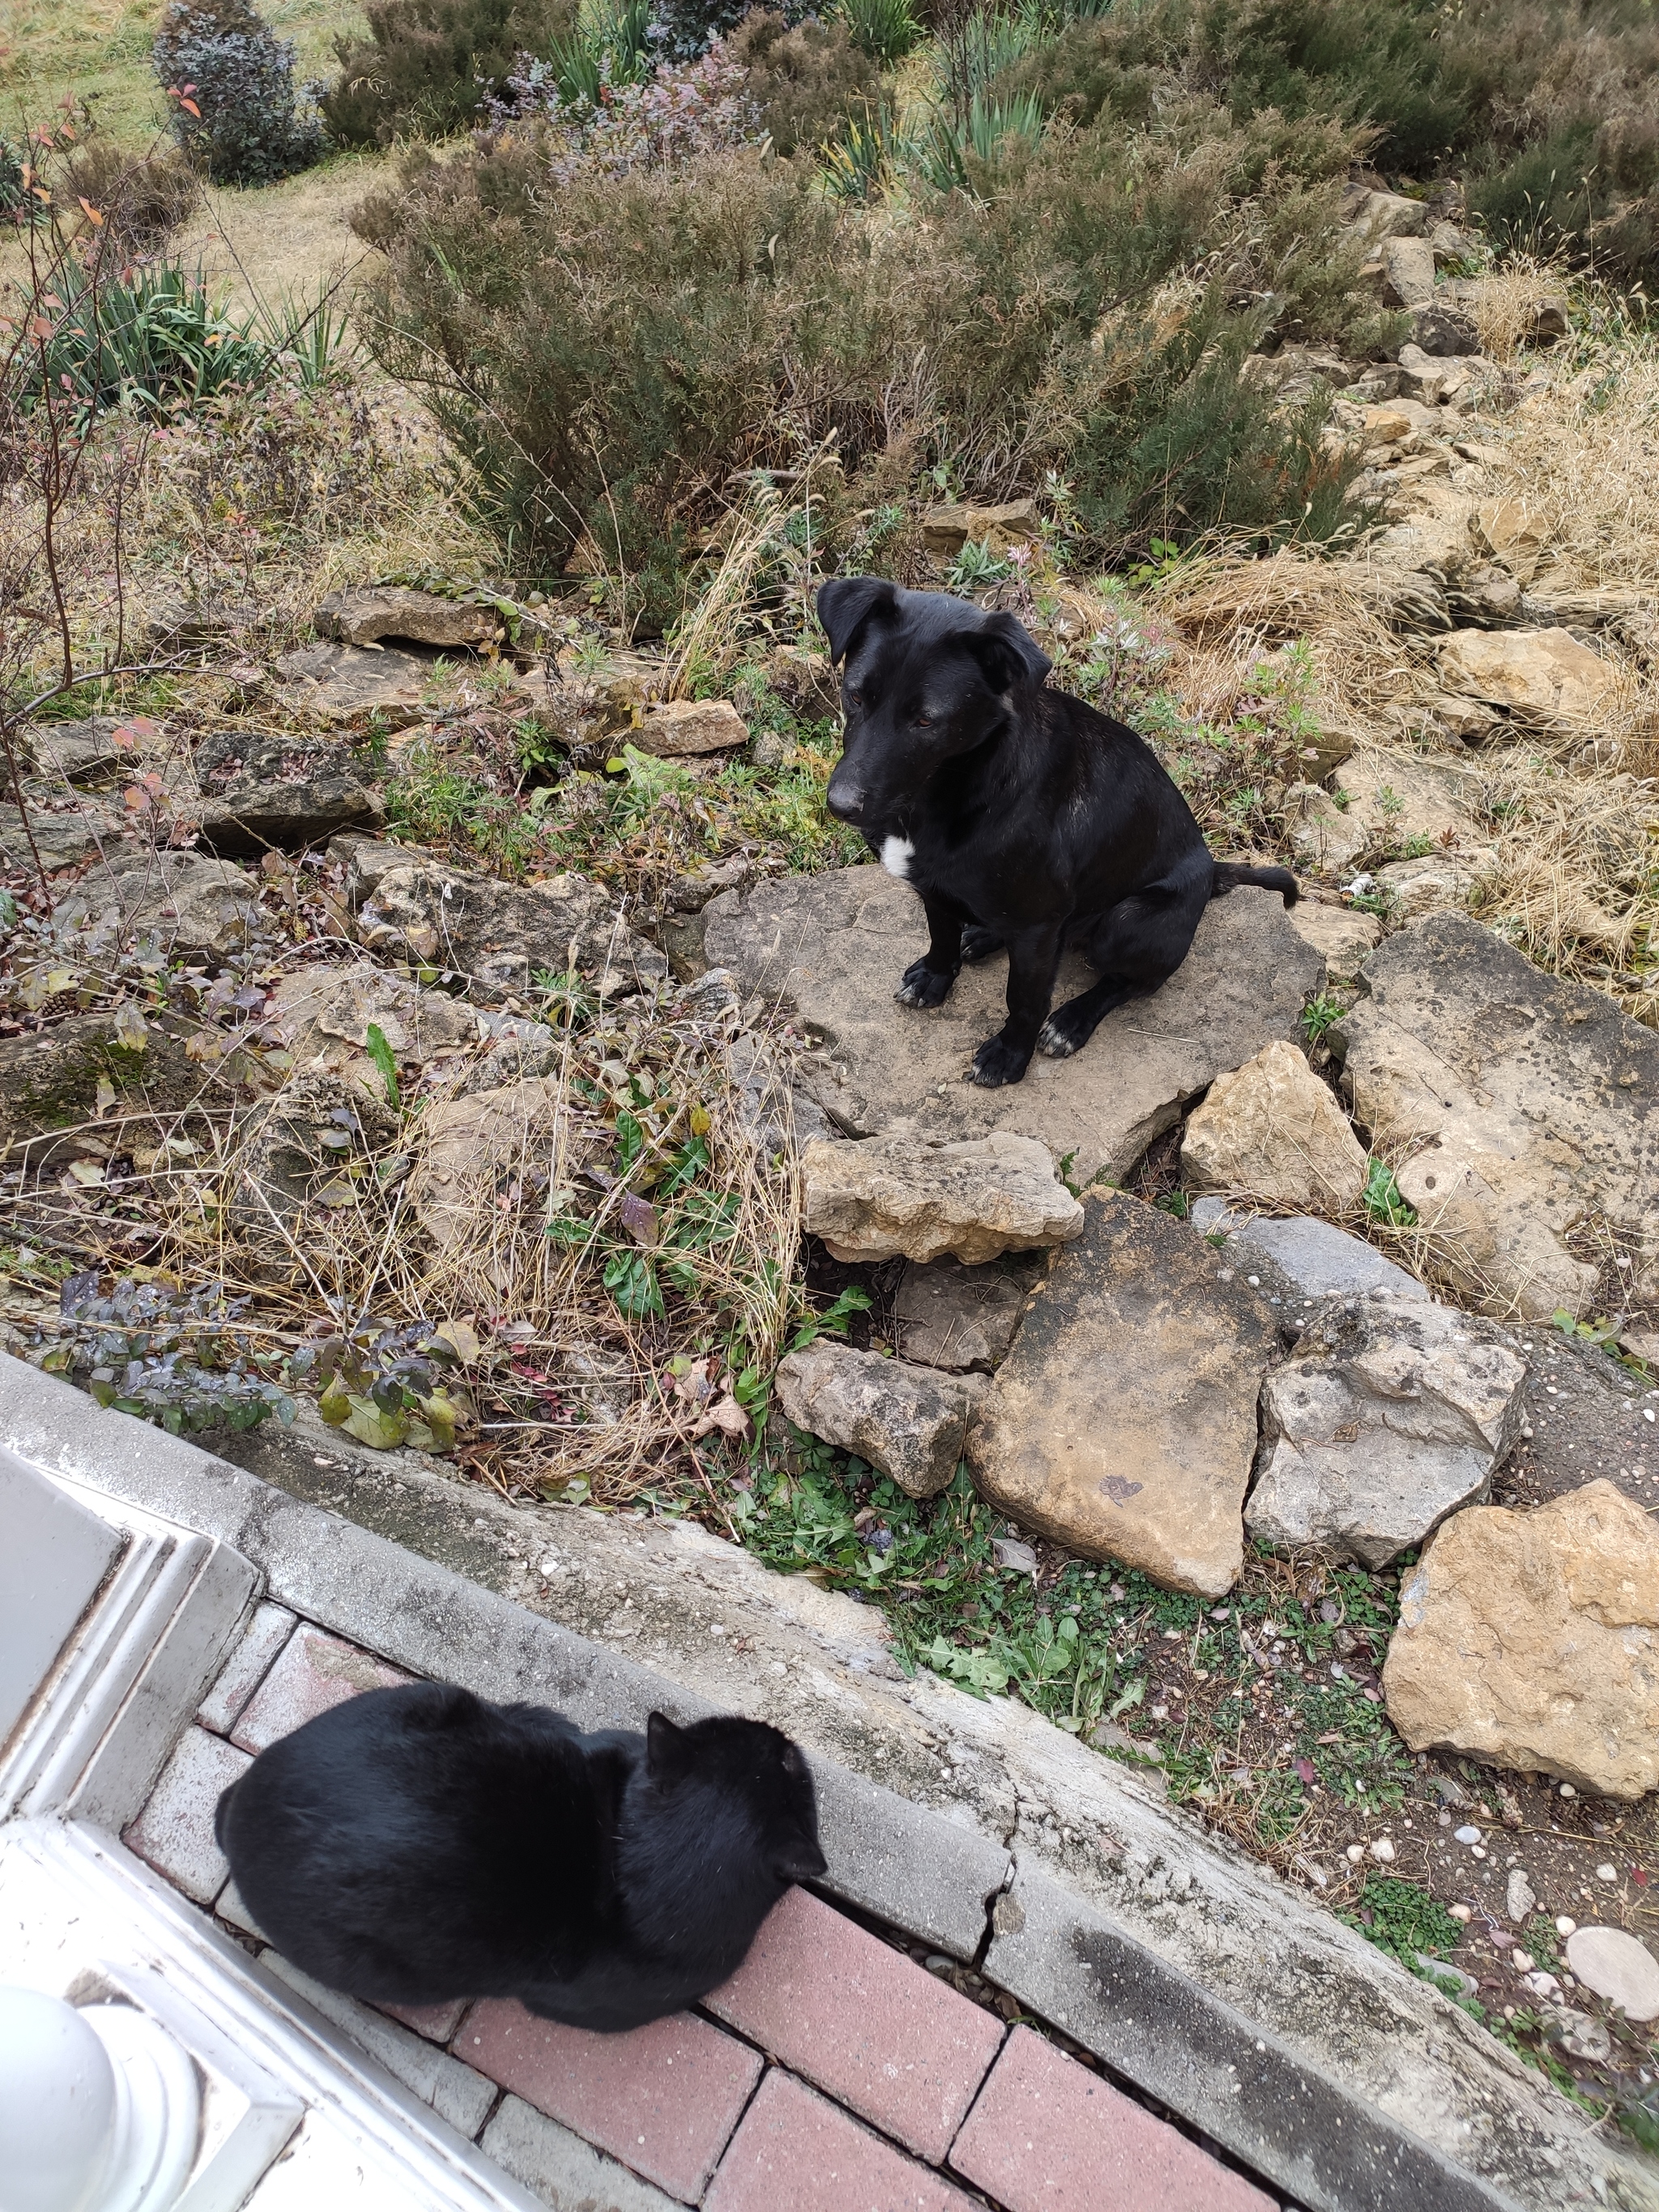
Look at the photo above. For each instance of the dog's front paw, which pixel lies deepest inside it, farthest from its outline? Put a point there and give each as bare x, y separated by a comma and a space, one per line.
997, 1062
1060, 1037
922, 985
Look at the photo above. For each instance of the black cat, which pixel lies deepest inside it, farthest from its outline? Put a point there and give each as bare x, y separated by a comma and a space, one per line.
415, 1845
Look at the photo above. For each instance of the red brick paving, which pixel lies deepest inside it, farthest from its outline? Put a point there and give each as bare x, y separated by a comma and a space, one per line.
796, 2153
664, 2098
1048, 2135
315, 1672
863, 2021
817, 1992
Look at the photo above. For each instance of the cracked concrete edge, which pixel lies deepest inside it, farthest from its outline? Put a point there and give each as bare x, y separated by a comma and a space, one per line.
1148, 1941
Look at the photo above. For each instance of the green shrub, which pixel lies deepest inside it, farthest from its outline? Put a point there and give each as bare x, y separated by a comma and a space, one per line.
885, 29
804, 82
686, 28
236, 113
428, 66
609, 356
157, 340
1549, 109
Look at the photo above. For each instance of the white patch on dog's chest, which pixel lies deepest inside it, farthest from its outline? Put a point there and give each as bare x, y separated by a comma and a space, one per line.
897, 854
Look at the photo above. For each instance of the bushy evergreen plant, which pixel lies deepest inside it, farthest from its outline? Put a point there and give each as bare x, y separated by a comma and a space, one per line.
236, 114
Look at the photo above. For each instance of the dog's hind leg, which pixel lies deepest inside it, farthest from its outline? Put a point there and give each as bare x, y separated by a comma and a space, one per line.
1137, 945
979, 943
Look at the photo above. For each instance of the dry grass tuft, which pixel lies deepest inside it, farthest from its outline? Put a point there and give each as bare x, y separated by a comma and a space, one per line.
504, 1212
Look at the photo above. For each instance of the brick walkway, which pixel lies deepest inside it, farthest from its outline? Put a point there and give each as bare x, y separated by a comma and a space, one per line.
833, 2074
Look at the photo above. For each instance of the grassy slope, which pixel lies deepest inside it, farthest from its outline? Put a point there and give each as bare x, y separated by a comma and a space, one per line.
99, 51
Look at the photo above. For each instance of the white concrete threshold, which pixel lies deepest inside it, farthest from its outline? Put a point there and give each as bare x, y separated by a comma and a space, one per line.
1187, 1968
114, 1621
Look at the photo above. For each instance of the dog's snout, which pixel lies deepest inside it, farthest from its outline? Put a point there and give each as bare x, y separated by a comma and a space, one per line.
846, 799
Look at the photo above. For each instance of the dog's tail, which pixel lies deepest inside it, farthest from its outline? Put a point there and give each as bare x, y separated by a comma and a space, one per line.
1229, 874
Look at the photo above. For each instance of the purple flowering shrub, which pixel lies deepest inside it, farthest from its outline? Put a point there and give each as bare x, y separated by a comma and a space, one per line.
680, 111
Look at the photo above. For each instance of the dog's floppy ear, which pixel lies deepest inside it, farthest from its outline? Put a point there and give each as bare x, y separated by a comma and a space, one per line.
847, 602
1007, 652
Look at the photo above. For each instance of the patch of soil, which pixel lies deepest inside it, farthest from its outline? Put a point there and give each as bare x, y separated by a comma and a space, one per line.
1587, 1416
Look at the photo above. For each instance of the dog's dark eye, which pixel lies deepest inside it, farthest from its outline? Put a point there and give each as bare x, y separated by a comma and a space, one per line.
855, 698
924, 721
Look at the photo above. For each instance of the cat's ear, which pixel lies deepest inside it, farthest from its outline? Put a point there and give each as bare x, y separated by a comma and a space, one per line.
800, 1860
667, 1751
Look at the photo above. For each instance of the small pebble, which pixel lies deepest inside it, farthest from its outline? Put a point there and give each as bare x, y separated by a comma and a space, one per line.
1477, 1851
1606, 1873
1356, 1852
1461, 1912
1525, 1961
1567, 1790
1564, 1926
1467, 1835
1382, 1849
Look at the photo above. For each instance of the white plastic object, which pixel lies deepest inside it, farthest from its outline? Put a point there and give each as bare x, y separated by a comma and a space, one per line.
100, 2109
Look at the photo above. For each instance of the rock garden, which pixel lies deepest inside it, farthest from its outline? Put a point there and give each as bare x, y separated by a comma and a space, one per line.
439, 1013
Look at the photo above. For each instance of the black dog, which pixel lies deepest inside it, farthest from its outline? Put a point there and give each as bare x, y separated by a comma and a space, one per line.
1022, 817
416, 1844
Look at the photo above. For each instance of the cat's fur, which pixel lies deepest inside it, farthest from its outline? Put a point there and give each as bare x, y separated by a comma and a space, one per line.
416, 1844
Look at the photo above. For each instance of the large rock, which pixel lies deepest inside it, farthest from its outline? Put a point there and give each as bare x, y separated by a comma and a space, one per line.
1273, 1130
907, 1421
1299, 1261
1390, 1414
1407, 271
924, 1198
80, 752
1528, 1640
1444, 331
1540, 678
1619, 1967
60, 839
362, 618
959, 1318
1433, 885
345, 683
685, 726
495, 936
50, 1081
262, 789
1383, 215
1339, 934
1123, 1423
834, 946
183, 903
323, 1015
1525, 1111
947, 528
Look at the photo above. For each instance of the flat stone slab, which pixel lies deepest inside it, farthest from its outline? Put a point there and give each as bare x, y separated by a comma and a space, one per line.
835, 946
1532, 1641
339, 682
1295, 1259
1391, 1414
1123, 1423
1525, 1113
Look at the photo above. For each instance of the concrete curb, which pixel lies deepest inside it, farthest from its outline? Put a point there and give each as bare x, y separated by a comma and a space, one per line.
1200, 1976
